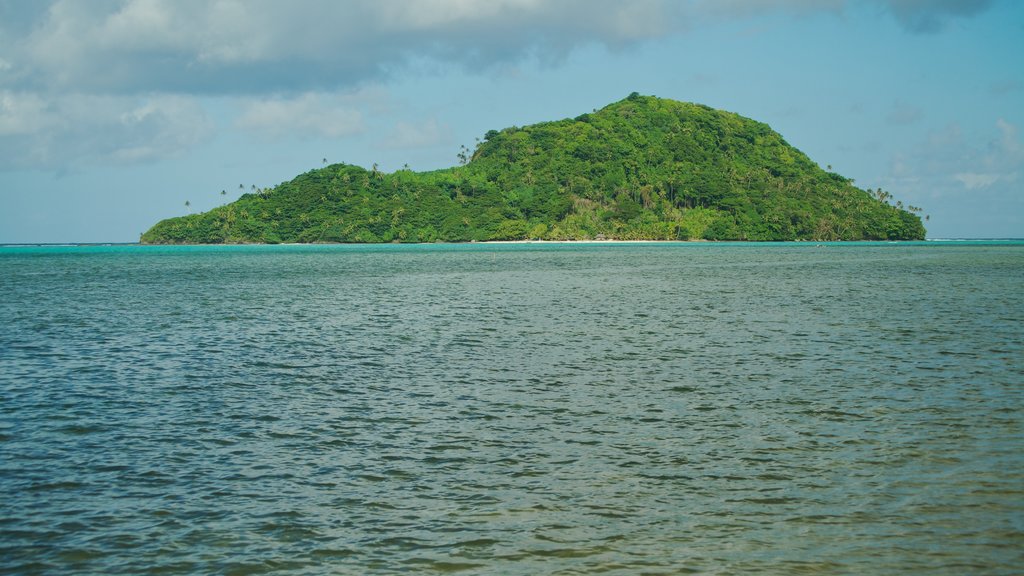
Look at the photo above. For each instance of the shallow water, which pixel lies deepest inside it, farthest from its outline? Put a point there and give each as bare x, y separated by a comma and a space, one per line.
513, 409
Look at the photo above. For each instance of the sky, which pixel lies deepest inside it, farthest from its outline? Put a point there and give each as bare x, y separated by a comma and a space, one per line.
115, 113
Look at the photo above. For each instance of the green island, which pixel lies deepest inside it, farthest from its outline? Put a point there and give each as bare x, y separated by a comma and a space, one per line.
643, 168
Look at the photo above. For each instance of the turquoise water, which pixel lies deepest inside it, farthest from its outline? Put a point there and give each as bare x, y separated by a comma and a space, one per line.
513, 409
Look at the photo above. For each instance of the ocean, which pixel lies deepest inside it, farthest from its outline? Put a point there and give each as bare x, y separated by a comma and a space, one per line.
634, 408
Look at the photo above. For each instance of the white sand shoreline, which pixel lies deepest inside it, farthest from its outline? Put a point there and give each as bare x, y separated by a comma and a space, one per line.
578, 241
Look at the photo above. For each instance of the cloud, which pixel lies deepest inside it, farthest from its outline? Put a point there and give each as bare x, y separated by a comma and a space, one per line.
918, 16
77, 77
267, 46
969, 184
972, 180
231, 47
58, 132
158, 127
732, 9
928, 16
903, 114
420, 135
1006, 87
88, 70
23, 113
1009, 141
308, 115
948, 163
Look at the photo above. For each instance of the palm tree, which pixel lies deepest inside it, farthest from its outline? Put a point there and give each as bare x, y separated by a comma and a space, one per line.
325, 161
187, 204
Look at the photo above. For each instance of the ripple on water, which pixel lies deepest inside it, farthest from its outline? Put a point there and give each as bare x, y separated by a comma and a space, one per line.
517, 410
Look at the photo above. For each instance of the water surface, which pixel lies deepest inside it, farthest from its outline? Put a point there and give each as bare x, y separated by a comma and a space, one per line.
513, 409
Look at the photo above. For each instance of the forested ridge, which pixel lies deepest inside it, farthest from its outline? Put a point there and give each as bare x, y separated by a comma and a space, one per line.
643, 168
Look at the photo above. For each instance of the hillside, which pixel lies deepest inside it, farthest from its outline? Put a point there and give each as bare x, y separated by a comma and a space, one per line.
641, 168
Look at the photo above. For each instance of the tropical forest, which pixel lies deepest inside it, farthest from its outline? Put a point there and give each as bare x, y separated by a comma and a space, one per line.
643, 168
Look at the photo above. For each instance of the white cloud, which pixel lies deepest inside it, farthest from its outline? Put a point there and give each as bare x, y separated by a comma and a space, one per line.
1009, 141
429, 14
958, 177
900, 170
73, 73
258, 46
158, 127
23, 113
61, 131
74, 69
226, 46
948, 163
973, 180
422, 135
316, 115
1003, 160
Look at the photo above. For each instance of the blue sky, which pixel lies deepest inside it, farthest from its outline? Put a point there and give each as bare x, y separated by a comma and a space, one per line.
114, 113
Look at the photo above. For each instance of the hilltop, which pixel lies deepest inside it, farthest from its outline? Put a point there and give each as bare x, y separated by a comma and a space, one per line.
643, 168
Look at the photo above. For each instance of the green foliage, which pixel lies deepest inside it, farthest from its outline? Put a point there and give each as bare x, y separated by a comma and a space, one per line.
641, 168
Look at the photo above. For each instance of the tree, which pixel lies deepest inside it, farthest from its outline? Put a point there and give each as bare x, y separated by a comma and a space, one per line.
638, 169
187, 204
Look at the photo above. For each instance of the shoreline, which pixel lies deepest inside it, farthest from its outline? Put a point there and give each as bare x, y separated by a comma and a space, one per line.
607, 241
518, 242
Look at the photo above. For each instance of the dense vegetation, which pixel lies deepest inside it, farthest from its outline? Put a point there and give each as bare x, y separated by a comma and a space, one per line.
641, 168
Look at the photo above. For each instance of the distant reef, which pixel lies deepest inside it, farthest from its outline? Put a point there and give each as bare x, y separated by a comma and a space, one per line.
643, 168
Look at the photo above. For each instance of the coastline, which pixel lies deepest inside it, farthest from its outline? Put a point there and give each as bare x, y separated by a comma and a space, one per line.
608, 242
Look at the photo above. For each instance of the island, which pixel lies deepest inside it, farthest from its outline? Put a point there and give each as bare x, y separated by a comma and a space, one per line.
643, 168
